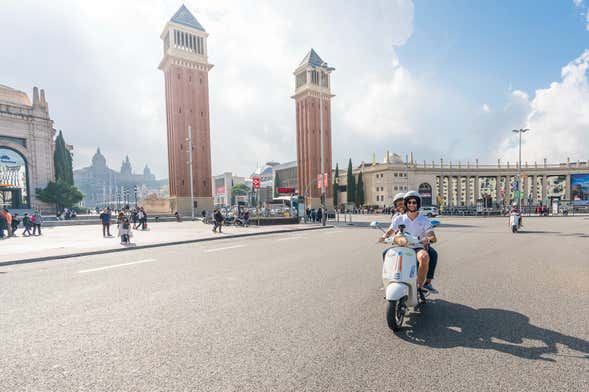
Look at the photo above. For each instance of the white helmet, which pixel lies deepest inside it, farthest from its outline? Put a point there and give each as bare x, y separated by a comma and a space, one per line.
398, 196
412, 195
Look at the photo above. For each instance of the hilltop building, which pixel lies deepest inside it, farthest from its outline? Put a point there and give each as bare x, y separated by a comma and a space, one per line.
104, 186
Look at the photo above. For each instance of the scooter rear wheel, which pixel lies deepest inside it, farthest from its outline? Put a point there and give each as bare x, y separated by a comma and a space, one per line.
396, 314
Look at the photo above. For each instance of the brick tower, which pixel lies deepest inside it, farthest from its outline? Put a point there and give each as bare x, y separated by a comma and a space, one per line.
185, 66
308, 91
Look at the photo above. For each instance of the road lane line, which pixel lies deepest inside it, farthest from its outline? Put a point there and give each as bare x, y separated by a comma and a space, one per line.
290, 238
116, 266
224, 248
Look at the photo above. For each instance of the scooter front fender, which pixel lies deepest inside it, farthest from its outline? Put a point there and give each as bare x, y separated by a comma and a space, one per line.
395, 291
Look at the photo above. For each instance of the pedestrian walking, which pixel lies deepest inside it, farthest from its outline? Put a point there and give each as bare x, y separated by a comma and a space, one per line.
143, 219
139, 218
8, 219
125, 231
37, 220
105, 219
3, 226
218, 220
246, 218
28, 224
15, 223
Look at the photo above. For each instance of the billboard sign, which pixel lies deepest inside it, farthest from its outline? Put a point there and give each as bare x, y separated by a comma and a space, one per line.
580, 189
285, 190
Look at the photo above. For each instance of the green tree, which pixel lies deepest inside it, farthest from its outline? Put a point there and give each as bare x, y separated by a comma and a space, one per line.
61, 194
351, 187
360, 190
335, 186
62, 160
238, 190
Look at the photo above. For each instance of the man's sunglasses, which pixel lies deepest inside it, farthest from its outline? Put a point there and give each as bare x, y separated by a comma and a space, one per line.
412, 202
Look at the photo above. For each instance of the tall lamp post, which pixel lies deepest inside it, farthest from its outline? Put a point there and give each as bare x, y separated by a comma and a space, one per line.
519, 166
189, 139
323, 68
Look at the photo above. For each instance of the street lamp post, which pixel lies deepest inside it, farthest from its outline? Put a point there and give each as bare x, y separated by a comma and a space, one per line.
519, 166
322, 68
189, 139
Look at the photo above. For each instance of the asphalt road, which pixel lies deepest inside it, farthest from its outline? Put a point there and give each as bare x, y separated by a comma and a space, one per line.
304, 312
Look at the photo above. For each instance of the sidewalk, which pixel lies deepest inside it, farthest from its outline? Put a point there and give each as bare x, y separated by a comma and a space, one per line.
71, 241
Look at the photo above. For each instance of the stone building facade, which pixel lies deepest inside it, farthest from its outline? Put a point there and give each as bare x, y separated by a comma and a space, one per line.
103, 186
312, 81
26, 148
468, 184
185, 66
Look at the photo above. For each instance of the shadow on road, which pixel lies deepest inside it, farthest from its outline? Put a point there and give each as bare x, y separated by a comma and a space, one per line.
524, 231
446, 325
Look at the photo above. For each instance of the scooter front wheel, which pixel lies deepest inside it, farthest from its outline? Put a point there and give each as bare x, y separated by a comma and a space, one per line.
396, 314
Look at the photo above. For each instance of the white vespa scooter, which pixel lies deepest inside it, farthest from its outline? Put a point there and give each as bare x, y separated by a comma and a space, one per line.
514, 221
399, 277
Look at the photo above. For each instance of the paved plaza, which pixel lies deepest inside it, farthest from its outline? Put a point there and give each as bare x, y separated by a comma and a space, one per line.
304, 311
62, 241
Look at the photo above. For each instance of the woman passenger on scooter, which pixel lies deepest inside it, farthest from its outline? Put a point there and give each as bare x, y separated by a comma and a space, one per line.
400, 203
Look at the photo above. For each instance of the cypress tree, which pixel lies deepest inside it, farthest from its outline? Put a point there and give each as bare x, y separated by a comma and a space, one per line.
360, 190
276, 185
351, 187
62, 160
335, 186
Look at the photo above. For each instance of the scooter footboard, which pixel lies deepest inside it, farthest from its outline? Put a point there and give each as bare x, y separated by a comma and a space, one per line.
396, 291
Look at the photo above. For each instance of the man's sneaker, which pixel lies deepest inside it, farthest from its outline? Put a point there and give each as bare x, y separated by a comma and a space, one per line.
430, 288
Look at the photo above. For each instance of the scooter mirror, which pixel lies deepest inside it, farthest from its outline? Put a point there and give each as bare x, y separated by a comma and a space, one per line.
374, 225
435, 223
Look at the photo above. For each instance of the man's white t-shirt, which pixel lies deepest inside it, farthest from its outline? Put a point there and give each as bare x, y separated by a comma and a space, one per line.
418, 227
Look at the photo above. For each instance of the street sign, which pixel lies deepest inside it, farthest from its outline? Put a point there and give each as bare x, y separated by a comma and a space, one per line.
285, 190
256, 182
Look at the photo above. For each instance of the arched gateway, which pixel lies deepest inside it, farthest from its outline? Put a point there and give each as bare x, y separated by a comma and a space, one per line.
14, 179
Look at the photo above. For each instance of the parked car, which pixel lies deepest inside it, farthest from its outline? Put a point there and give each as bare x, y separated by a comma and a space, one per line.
429, 211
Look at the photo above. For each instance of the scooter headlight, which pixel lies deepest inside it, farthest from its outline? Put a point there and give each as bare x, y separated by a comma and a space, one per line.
401, 241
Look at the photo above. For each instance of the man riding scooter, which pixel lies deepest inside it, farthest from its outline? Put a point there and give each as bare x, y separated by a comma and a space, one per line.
516, 210
399, 206
417, 225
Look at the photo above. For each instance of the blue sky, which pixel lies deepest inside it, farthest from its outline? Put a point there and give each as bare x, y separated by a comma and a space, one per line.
441, 78
484, 47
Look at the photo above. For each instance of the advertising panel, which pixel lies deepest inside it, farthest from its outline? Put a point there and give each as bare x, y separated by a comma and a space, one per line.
580, 189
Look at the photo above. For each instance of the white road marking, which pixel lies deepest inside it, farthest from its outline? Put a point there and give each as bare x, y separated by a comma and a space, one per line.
290, 238
224, 248
332, 232
116, 266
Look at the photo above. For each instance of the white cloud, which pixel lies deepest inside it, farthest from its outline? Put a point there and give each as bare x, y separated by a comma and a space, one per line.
98, 63
587, 19
558, 117
578, 3
486, 108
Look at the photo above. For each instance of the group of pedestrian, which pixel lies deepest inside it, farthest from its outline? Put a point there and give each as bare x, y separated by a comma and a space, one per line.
10, 223
127, 220
66, 214
314, 215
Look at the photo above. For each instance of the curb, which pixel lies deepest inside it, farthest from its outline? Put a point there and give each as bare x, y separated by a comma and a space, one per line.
161, 244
